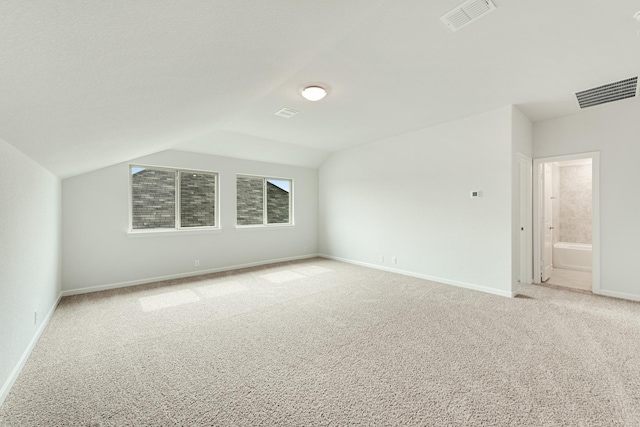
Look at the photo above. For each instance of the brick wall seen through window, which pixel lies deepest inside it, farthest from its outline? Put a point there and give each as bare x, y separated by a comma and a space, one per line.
251, 193
155, 194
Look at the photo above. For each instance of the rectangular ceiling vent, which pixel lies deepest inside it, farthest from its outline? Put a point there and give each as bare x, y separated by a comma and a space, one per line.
286, 113
608, 93
466, 13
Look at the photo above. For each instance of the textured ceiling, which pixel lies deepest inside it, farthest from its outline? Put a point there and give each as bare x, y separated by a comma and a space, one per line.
88, 84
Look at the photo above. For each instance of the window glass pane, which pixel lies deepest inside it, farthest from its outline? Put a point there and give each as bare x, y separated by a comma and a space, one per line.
197, 199
278, 201
153, 194
249, 199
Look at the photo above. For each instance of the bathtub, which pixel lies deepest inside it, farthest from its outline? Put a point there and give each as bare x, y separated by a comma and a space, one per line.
573, 256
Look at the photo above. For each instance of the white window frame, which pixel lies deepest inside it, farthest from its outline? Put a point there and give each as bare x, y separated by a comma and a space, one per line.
178, 226
264, 202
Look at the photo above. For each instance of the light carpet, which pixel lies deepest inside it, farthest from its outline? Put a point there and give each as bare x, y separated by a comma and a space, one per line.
320, 342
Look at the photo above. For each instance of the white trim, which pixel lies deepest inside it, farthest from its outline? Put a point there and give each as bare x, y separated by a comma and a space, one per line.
154, 232
471, 286
253, 175
595, 216
615, 294
13, 376
262, 227
99, 288
595, 222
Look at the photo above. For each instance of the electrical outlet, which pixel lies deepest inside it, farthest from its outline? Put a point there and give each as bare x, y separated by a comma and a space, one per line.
35, 317
304, 249
394, 260
381, 258
197, 263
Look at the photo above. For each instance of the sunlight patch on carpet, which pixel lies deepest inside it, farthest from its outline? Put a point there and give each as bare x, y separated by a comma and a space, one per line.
220, 289
311, 270
168, 299
282, 276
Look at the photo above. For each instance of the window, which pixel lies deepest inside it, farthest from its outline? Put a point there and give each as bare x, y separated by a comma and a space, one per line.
163, 198
263, 201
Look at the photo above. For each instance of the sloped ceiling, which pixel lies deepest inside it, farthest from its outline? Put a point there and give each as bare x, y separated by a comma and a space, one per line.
87, 84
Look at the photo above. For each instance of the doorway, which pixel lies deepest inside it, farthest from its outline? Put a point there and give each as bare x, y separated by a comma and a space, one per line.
566, 221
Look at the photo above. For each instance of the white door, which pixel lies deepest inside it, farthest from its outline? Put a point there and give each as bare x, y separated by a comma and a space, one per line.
547, 209
524, 212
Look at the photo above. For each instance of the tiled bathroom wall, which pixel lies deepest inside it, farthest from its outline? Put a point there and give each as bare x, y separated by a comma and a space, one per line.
555, 201
575, 204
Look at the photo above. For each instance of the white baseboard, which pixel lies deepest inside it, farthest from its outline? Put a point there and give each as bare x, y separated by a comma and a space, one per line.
70, 292
465, 285
615, 294
6, 387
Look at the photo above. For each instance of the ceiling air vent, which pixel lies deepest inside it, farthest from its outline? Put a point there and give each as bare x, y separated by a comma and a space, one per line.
286, 113
466, 13
608, 93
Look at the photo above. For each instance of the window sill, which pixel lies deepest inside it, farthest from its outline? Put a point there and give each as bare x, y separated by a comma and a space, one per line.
171, 232
263, 227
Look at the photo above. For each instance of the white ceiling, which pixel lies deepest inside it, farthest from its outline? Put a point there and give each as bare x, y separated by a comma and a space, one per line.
88, 84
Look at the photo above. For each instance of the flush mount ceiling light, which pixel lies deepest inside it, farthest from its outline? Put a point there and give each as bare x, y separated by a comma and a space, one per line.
314, 93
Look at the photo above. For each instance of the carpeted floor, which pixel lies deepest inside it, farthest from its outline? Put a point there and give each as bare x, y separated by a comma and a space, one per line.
319, 342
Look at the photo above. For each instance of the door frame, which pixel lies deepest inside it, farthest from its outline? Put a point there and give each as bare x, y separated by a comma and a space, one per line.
595, 213
543, 217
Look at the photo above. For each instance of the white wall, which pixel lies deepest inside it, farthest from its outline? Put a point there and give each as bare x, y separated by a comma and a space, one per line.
29, 256
98, 252
613, 130
522, 133
408, 197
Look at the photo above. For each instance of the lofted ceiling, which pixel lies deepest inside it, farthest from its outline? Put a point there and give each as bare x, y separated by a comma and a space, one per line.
87, 84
